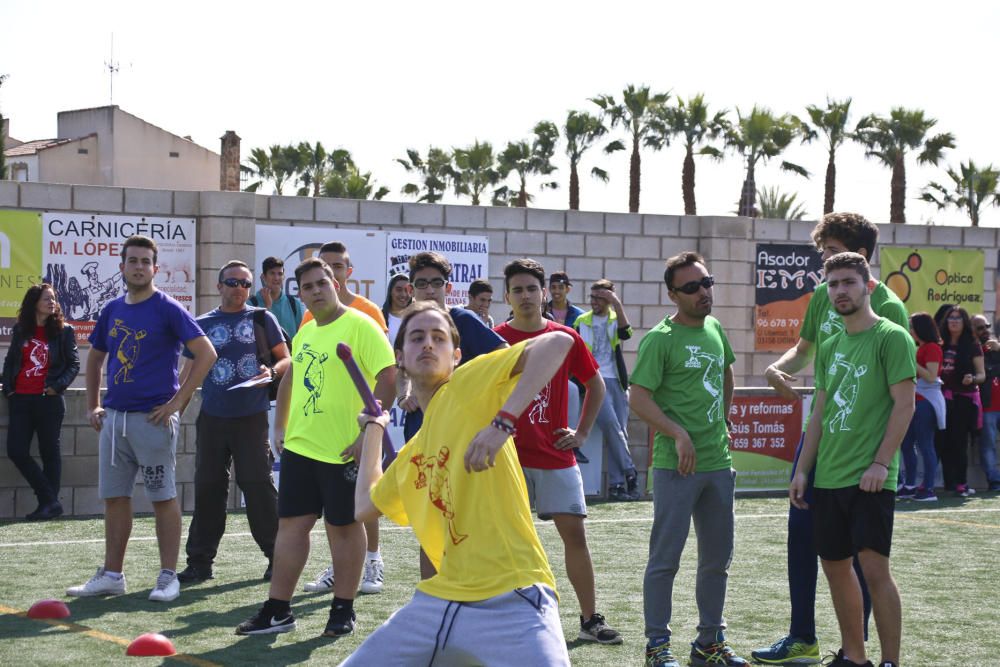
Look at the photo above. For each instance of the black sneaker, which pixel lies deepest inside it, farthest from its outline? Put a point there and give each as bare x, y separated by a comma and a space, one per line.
840, 661
266, 623
632, 486
194, 573
717, 653
580, 456
595, 629
617, 493
340, 623
269, 572
46, 512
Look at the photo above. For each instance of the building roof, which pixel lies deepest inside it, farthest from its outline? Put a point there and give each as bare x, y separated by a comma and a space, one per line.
33, 147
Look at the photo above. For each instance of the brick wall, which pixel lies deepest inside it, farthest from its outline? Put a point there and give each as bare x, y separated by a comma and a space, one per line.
626, 248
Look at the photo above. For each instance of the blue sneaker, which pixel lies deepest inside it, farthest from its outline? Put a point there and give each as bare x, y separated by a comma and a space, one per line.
788, 651
716, 653
658, 654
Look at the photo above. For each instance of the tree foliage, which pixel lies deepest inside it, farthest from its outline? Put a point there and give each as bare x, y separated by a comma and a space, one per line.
475, 170
526, 159
582, 131
435, 172
831, 121
777, 205
970, 189
758, 137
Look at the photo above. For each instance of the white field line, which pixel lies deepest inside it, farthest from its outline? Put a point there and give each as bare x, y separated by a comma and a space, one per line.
649, 519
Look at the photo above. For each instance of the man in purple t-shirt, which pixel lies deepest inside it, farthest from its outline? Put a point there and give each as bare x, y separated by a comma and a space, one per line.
141, 335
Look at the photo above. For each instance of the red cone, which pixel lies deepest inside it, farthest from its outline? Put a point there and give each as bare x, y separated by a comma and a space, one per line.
151, 643
49, 609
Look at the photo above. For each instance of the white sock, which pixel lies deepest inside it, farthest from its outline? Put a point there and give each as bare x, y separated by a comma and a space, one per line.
374, 555
166, 571
114, 575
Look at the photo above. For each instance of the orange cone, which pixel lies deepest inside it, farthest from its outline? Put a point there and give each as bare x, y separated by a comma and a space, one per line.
151, 643
49, 609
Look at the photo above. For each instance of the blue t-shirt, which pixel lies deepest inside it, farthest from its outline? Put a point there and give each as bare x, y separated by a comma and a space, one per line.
232, 336
143, 342
475, 339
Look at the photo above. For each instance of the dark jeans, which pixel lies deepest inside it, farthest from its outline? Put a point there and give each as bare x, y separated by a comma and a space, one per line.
803, 567
953, 443
221, 442
31, 414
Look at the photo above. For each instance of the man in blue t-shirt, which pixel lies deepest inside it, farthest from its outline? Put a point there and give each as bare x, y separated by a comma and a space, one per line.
429, 281
232, 426
141, 335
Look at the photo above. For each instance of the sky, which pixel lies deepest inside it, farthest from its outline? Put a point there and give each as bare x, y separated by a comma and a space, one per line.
377, 77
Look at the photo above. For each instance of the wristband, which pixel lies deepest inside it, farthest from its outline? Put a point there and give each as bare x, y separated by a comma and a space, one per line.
504, 425
506, 416
881, 464
374, 423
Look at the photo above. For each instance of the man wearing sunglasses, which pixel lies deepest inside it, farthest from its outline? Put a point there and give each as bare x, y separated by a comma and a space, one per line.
232, 426
835, 233
990, 393
682, 386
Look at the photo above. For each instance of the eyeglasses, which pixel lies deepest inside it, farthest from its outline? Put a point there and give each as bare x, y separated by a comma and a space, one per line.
983, 327
236, 282
695, 285
423, 283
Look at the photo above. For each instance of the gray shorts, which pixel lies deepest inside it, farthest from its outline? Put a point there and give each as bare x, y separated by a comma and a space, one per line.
556, 491
521, 627
130, 444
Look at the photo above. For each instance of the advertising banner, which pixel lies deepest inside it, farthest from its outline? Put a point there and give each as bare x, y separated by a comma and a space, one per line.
469, 257
926, 278
786, 276
81, 258
20, 263
765, 434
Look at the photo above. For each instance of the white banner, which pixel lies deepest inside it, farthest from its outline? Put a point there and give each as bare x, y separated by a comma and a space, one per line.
81, 258
469, 257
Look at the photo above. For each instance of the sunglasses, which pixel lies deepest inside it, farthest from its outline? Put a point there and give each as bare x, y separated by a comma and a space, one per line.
237, 282
695, 285
423, 283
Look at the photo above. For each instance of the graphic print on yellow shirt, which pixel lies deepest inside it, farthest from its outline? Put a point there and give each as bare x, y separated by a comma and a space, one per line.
322, 416
476, 527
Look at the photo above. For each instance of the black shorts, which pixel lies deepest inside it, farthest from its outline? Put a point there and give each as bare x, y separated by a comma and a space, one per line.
847, 520
308, 486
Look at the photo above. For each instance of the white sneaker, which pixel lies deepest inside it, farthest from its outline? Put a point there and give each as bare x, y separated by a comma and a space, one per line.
167, 588
373, 580
323, 582
99, 584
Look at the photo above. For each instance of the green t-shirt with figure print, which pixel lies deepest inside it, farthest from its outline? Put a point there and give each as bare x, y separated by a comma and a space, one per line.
324, 407
856, 371
683, 367
822, 320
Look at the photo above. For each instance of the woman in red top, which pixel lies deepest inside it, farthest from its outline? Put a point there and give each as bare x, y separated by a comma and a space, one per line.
41, 363
926, 420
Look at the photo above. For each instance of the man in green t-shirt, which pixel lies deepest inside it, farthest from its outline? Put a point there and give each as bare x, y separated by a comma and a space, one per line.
317, 433
835, 233
682, 387
862, 409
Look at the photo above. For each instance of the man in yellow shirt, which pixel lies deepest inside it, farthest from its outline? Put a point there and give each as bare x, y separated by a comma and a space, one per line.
315, 429
458, 483
336, 256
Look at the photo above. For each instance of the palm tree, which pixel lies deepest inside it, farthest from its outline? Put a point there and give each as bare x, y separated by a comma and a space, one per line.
889, 139
758, 137
475, 170
832, 122
286, 162
436, 173
350, 183
314, 166
259, 168
635, 112
970, 188
776, 205
689, 118
581, 131
526, 159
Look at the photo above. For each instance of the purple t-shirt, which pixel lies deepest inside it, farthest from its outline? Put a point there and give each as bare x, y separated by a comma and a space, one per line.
143, 342
232, 336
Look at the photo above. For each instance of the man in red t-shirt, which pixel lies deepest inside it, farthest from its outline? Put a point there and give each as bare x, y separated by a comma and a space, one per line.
545, 443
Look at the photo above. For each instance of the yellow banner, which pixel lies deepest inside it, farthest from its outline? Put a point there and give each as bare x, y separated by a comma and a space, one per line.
926, 278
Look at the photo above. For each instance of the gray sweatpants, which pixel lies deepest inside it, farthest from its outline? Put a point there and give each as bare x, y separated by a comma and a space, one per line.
707, 497
517, 628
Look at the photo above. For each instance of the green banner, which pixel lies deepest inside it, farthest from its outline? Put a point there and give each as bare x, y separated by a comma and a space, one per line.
20, 261
927, 278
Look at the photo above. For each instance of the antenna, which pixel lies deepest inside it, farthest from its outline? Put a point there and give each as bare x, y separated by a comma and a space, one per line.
112, 66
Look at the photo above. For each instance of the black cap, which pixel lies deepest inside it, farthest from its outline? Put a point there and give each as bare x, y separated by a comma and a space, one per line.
559, 277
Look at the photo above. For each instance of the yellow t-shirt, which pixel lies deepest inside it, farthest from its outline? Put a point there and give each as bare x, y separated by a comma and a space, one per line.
324, 408
476, 528
365, 306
